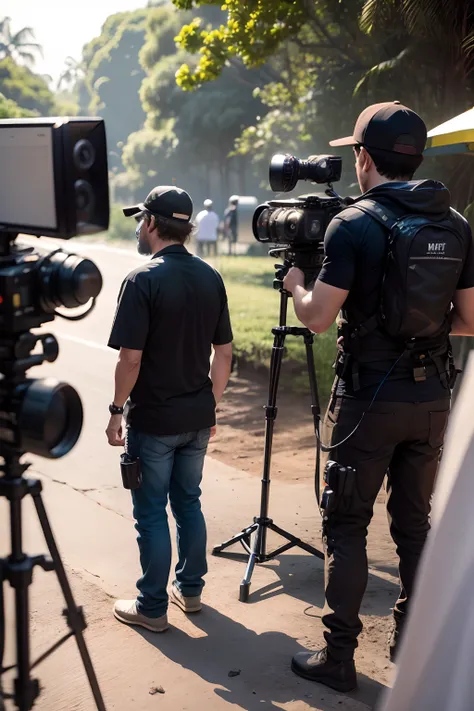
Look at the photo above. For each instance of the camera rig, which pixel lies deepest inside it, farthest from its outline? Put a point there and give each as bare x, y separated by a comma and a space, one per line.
43, 417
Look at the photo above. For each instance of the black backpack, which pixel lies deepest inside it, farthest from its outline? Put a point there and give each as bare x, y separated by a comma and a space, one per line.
423, 265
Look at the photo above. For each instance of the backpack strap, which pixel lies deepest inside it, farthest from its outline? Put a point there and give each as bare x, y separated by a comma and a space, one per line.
381, 214
352, 335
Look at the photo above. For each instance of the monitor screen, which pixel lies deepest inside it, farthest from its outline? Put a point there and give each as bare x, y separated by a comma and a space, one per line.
27, 195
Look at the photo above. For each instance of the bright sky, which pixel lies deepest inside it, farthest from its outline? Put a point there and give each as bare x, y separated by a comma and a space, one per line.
62, 27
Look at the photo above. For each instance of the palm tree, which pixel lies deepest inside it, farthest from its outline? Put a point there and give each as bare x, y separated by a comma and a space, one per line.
434, 73
437, 38
18, 45
72, 73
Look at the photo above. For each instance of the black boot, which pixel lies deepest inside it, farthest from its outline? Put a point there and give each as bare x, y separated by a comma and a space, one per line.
321, 667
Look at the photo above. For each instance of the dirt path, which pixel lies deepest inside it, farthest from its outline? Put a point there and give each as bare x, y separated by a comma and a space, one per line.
241, 425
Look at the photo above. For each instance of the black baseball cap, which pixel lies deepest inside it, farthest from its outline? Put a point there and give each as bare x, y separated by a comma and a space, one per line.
164, 201
388, 127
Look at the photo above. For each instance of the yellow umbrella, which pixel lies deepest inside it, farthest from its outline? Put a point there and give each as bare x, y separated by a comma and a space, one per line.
453, 136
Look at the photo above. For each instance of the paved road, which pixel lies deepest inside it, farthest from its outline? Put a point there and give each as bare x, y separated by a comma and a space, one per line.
91, 515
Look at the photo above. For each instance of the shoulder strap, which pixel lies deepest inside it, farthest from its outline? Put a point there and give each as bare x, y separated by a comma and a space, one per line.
380, 214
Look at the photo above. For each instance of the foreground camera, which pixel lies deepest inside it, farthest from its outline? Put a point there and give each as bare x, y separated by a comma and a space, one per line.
54, 176
53, 181
43, 417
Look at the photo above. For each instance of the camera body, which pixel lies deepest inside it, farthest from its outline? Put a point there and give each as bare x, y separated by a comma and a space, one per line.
300, 222
298, 225
32, 286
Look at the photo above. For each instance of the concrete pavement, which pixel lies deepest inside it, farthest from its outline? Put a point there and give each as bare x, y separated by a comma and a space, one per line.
91, 517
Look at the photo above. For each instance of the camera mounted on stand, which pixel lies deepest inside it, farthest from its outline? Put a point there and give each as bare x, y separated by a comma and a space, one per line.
53, 182
296, 229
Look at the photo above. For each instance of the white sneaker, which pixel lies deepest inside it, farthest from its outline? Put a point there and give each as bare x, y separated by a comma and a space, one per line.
187, 604
126, 611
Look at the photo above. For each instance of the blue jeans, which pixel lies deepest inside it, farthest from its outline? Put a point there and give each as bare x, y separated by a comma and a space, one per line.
171, 466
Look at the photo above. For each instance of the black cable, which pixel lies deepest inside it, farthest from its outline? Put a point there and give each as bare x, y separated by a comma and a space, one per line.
330, 448
79, 317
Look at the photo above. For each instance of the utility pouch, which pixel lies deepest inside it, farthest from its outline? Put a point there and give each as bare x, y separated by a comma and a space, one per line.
340, 483
131, 473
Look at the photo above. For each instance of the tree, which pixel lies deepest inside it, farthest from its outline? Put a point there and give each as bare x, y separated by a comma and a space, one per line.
10, 109
19, 45
439, 41
27, 89
349, 54
113, 76
187, 137
72, 73
440, 44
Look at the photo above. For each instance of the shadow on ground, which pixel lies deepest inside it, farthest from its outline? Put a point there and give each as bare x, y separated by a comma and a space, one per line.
302, 577
263, 660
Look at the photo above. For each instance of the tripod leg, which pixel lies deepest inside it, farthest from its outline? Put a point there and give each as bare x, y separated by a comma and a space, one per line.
73, 613
2, 633
242, 536
254, 558
20, 575
270, 417
315, 409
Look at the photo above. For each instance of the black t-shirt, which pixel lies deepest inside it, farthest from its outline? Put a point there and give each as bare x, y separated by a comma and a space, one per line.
174, 308
355, 248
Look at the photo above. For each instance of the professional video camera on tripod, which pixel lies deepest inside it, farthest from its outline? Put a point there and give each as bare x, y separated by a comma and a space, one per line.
53, 182
296, 228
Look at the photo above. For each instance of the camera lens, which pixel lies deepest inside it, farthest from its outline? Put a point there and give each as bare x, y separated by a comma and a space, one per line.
260, 223
49, 419
292, 220
68, 280
84, 196
84, 154
284, 172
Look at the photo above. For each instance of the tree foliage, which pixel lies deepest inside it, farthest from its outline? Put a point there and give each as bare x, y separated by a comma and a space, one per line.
10, 109
113, 76
188, 137
28, 90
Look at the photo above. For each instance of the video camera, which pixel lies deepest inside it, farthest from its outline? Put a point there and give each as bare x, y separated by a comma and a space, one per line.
53, 182
297, 226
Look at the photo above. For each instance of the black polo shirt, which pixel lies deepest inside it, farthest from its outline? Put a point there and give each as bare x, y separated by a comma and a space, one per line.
174, 308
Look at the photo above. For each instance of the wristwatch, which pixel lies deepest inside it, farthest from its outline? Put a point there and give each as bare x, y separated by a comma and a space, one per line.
115, 409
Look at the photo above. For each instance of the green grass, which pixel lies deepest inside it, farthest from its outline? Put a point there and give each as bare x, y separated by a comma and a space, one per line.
254, 307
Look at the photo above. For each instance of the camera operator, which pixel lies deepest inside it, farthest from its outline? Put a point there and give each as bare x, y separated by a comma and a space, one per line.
172, 312
388, 411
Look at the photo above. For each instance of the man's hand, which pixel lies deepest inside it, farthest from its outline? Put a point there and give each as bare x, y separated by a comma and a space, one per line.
294, 278
114, 431
213, 432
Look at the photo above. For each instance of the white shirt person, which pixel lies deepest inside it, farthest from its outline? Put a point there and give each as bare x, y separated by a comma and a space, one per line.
207, 222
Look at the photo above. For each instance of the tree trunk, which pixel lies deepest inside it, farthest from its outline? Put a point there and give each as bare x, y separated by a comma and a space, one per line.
242, 176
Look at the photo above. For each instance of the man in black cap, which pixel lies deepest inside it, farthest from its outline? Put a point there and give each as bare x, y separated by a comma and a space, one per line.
172, 313
395, 281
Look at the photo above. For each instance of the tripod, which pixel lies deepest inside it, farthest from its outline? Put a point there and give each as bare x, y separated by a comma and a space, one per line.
17, 569
257, 550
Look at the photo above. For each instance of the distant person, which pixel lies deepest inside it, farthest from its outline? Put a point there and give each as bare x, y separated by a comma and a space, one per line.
207, 223
172, 313
231, 224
